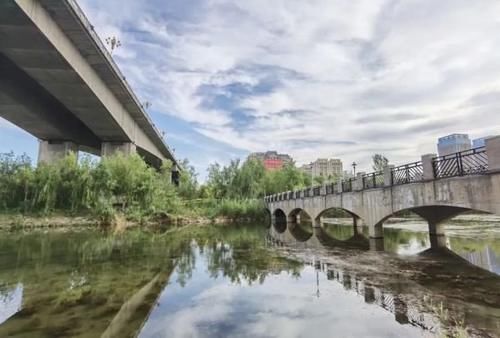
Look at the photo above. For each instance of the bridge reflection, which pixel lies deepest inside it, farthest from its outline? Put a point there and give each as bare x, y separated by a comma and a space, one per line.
416, 301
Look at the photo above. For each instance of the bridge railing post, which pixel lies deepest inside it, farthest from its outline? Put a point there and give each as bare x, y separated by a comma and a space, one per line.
358, 183
388, 175
428, 167
493, 153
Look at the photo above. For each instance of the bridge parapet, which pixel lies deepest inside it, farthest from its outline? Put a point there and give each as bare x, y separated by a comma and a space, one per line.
430, 167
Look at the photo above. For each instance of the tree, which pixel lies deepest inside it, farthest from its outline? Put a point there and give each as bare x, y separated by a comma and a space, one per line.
379, 162
188, 184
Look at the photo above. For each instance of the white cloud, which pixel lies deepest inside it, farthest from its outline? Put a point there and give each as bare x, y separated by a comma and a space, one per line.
314, 70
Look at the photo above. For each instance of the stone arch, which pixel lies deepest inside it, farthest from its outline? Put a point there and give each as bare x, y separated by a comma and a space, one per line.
292, 215
300, 234
279, 220
355, 217
269, 218
434, 215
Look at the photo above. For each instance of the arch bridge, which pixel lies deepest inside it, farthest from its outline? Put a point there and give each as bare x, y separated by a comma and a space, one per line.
435, 188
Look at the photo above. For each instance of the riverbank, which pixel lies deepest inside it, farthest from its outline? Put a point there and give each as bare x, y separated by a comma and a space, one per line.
119, 222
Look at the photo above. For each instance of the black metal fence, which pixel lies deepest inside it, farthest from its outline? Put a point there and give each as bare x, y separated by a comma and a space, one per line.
331, 188
307, 192
316, 191
347, 185
373, 180
468, 162
408, 173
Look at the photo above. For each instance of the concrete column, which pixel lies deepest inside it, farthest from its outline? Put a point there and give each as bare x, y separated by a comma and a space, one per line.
428, 168
175, 176
358, 183
357, 223
369, 295
400, 311
51, 151
493, 152
436, 235
376, 231
322, 190
376, 244
111, 148
316, 222
339, 186
388, 175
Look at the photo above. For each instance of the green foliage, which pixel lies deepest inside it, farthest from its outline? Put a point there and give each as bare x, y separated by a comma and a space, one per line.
116, 182
250, 180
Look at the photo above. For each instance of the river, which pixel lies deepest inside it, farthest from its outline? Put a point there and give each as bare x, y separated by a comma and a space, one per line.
251, 281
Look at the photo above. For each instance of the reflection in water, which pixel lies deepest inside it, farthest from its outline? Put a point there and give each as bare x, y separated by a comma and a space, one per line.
10, 301
480, 251
217, 282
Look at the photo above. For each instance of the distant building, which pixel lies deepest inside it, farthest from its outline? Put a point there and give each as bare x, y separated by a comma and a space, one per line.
453, 144
271, 159
480, 142
324, 167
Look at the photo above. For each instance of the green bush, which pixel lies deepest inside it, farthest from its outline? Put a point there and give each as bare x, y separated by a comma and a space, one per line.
117, 182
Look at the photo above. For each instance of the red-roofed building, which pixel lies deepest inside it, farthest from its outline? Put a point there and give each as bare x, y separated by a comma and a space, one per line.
271, 159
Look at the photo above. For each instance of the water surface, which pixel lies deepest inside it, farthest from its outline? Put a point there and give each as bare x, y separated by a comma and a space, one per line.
240, 281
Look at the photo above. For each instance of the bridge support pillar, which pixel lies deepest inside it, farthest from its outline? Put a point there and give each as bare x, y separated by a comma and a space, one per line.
51, 151
376, 244
436, 235
111, 148
376, 231
357, 223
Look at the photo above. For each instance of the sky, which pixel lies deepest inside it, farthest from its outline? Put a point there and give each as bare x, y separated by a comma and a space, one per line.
316, 78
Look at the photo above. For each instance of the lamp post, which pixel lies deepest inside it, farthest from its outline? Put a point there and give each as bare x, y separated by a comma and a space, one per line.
354, 164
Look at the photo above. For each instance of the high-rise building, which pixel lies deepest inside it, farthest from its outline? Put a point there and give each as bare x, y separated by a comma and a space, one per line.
271, 159
453, 143
480, 142
324, 167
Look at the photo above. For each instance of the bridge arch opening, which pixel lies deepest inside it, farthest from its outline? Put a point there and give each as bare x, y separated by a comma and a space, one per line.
340, 223
411, 230
279, 220
300, 224
268, 218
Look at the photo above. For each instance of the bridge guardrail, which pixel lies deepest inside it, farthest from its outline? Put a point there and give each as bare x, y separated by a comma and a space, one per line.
373, 180
316, 191
347, 185
468, 162
331, 189
407, 173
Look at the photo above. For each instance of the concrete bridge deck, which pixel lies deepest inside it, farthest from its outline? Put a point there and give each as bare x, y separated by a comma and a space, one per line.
435, 188
59, 83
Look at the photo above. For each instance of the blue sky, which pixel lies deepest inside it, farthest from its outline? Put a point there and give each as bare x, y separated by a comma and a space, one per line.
318, 78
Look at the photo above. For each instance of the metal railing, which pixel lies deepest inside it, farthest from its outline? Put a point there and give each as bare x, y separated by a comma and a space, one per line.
373, 180
307, 192
331, 189
408, 173
316, 191
468, 162
347, 185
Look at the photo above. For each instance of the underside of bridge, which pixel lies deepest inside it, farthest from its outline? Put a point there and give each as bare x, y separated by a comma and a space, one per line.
59, 83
